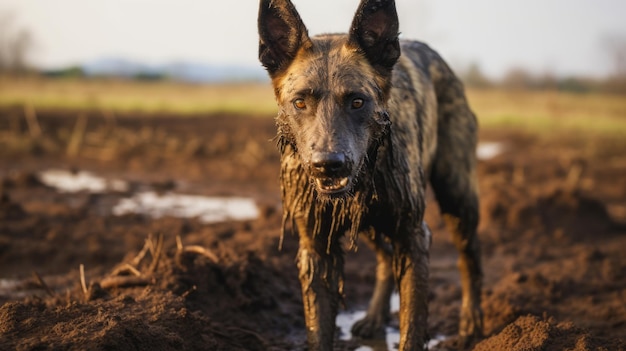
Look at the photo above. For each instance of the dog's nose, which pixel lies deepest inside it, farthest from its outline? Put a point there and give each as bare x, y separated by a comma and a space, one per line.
328, 163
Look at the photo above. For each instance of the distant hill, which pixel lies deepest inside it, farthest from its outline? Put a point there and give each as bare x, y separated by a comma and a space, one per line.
184, 71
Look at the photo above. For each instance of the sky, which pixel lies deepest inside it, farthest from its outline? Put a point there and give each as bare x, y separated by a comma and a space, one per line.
557, 36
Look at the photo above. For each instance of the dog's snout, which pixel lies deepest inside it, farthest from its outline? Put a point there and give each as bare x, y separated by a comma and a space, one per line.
329, 163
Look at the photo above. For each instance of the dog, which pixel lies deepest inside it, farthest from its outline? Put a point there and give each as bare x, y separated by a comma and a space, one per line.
364, 122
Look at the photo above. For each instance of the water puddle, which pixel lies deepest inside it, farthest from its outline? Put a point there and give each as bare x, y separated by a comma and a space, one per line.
73, 182
489, 150
346, 319
206, 209
9, 285
13, 289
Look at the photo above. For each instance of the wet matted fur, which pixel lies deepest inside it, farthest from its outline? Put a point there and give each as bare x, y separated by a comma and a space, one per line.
365, 121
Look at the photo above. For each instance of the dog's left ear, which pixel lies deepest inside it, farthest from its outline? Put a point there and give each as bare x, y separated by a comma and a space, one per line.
375, 31
281, 34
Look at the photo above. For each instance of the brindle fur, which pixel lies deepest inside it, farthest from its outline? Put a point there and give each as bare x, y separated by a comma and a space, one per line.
414, 126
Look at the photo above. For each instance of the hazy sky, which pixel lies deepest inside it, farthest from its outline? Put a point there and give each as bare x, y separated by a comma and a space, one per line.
566, 37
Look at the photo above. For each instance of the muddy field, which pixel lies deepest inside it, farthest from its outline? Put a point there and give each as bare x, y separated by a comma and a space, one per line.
553, 232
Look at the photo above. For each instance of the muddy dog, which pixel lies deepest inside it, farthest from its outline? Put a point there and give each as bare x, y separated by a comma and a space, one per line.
364, 121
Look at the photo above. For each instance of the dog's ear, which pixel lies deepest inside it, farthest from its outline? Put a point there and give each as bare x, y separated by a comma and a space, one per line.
375, 31
281, 34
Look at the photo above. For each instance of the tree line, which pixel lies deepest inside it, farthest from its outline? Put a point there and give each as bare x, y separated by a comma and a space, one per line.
519, 78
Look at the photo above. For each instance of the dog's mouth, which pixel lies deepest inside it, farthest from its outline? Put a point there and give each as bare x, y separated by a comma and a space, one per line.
332, 186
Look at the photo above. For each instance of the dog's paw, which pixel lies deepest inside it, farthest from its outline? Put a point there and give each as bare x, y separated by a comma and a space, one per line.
471, 326
369, 328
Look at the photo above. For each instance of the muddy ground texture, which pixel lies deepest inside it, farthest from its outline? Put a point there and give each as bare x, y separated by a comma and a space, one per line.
553, 212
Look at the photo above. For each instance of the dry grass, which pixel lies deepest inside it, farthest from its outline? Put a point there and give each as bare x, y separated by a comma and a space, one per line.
549, 112
129, 96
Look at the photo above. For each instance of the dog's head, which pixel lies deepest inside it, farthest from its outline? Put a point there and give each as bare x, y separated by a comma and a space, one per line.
331, 90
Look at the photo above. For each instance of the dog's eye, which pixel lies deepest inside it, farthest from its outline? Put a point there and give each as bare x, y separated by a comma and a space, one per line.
299, 104
357, 103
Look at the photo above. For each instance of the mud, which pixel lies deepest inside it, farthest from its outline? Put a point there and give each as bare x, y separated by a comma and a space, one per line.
553, 232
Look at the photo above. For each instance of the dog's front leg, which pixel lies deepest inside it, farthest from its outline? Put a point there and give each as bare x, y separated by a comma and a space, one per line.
321, 275
410, 264
372, 326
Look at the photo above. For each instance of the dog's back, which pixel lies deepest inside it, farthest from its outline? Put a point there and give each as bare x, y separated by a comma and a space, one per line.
424, 88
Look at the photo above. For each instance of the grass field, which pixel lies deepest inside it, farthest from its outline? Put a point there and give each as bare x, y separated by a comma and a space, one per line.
129, 96
532, 111
548, 111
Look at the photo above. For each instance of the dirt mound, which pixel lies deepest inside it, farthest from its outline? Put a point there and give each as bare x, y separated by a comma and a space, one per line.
546, 214
189, 302
120, 324
531, 333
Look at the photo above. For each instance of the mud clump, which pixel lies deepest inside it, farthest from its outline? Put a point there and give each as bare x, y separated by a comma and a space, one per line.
551, 213
8, 209
531, 333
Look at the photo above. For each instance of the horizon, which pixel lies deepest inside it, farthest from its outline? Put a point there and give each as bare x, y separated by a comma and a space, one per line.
499, 37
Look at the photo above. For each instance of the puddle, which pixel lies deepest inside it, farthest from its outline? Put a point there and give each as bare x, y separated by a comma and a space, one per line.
72, 182
206, 209
13, 289
489, 150
9, 284
345, 320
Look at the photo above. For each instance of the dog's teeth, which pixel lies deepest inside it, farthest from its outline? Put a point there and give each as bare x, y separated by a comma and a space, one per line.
330, 184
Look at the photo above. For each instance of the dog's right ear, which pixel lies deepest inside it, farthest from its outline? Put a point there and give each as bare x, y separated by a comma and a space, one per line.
281, 34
